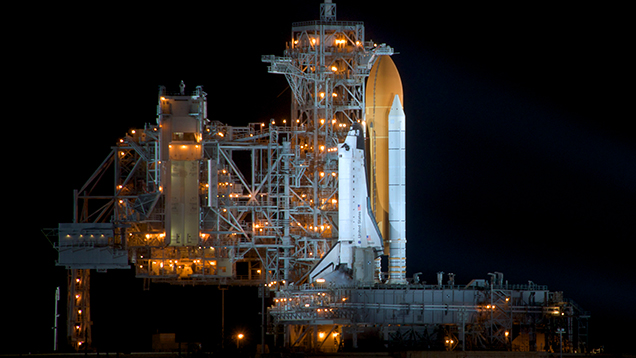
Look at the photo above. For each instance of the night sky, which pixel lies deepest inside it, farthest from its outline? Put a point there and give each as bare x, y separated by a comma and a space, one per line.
521, 157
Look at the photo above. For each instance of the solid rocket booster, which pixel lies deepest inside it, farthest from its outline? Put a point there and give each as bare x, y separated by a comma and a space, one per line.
397, 193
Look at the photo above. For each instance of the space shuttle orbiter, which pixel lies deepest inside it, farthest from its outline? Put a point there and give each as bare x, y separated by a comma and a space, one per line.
359, 241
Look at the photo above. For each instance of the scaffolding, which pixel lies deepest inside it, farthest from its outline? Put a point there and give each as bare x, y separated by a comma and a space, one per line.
266, 194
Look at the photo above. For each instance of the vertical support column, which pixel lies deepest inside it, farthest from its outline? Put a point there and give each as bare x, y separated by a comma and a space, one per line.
78, 325
286, 207
57, 298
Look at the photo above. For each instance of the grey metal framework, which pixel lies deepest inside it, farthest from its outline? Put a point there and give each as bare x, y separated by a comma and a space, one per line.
267, 194
484, 315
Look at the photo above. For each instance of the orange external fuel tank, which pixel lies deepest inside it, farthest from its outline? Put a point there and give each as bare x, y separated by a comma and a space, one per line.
383, 85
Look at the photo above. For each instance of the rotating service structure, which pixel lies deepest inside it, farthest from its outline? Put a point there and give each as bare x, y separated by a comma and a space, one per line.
304, 206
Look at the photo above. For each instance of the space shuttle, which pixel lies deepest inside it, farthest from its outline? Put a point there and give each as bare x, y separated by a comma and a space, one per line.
359, 241
369, 226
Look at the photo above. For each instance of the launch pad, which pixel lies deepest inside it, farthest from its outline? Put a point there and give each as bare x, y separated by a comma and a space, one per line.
304, 206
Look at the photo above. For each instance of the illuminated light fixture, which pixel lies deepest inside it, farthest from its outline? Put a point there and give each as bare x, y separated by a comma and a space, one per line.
320, 280
322, 94
240, 336
163, 98
334, 68
334, 94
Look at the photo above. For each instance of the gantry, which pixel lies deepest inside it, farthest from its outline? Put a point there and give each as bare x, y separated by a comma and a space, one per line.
190, 200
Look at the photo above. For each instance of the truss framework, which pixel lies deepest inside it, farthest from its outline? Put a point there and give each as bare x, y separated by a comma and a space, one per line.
489, 317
